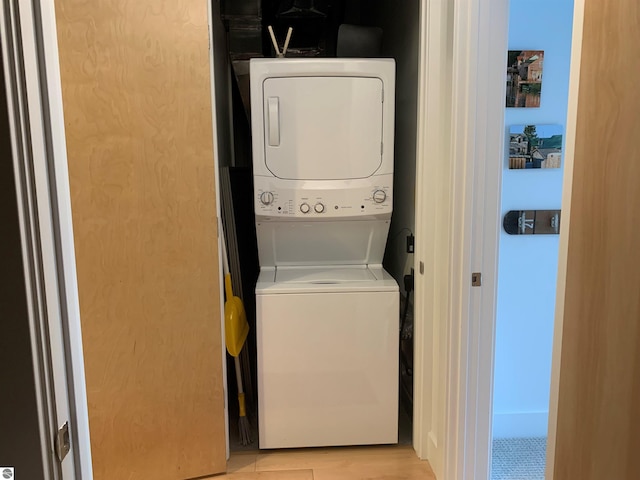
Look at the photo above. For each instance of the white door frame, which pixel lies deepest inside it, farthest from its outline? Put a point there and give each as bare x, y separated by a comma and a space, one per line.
433, 199
31, 54
479, 62
455, 335
459, 172
60, 192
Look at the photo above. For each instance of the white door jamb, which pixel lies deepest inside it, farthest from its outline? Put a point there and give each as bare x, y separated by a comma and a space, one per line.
479, 62
432, 248
459, 192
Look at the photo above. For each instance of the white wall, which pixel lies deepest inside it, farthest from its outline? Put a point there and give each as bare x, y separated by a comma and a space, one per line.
528, 264
401, 37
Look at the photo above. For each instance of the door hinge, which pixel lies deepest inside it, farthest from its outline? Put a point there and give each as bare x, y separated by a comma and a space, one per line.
62, 441
476, 279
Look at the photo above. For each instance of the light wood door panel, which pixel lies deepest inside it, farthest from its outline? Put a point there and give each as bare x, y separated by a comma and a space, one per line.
598, 429
137, 101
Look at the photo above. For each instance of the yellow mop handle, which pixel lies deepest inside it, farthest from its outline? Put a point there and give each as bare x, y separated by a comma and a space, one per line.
228, 290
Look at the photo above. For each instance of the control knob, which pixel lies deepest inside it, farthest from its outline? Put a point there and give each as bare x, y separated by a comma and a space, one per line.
319, 208
266, 198
304, 208
379, 196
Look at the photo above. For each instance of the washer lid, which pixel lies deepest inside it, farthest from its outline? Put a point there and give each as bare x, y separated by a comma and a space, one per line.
324, 275
299, 280
323, 128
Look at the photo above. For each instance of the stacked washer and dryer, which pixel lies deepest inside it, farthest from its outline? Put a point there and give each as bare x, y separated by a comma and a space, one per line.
327, 312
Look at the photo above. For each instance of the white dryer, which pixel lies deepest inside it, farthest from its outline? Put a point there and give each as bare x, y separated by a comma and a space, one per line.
327, 312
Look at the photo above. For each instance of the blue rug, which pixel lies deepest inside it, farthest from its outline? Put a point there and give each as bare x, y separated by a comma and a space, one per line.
518, 458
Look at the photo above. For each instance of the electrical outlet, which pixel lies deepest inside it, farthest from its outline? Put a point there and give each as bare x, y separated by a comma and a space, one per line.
410, 243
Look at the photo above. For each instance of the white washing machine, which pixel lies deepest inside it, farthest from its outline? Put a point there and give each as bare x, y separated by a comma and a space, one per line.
327, 312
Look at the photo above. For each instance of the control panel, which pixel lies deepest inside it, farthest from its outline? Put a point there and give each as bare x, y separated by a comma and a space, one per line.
276, 200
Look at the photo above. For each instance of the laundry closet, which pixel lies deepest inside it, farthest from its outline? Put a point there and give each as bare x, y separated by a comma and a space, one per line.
154, 160
320, 250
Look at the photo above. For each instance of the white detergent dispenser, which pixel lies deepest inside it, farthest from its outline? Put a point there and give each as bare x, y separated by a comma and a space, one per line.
327, 312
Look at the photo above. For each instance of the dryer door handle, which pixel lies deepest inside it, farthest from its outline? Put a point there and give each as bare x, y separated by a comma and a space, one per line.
273, 121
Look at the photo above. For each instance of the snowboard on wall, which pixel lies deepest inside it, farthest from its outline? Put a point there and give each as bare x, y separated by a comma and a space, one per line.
532, 222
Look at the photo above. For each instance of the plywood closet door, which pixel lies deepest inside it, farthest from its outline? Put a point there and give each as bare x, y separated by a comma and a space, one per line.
137, 103
598, 429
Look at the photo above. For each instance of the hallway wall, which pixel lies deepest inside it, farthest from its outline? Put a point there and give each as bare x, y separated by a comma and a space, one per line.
528, 264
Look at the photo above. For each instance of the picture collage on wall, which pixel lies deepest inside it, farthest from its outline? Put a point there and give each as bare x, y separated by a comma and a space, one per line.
530, 146
524, 78
535, 146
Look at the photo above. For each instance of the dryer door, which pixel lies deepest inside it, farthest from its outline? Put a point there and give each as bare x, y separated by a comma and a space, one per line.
323, 128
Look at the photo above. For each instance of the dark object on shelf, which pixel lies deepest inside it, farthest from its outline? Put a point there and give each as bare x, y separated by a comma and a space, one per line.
532, 222
243, 23
311, 22
231, 8
359, 42
301, 9
245, 37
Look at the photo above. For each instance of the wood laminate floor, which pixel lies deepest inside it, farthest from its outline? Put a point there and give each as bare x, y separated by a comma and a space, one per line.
340, 463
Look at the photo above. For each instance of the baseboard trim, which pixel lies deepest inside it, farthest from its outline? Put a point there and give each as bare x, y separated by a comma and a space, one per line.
520, 424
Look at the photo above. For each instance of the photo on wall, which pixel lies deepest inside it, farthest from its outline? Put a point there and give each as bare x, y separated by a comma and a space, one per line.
535, 146
524, 78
